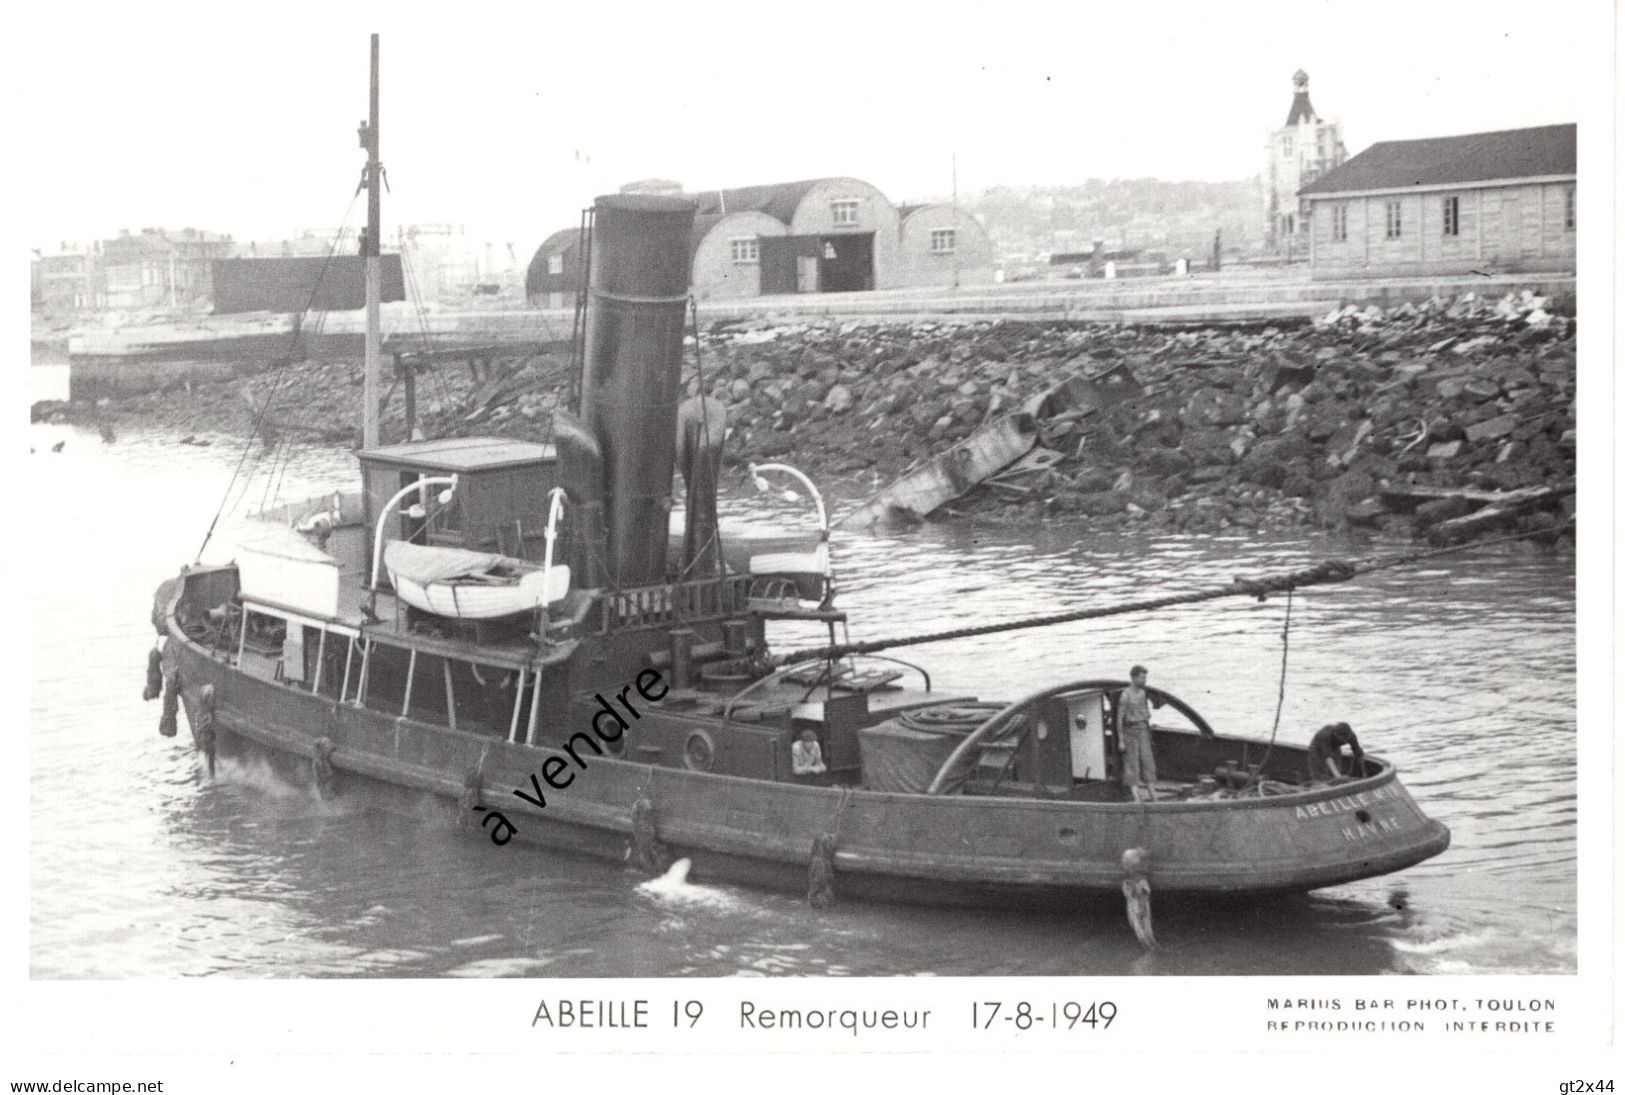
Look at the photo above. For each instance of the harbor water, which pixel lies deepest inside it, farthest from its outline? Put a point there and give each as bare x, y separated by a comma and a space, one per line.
1460, 670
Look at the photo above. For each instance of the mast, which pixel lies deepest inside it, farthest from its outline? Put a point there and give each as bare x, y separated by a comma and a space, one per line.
953, 169
370, 249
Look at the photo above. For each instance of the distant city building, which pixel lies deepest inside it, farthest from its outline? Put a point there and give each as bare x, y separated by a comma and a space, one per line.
309, 243
1502, 201
1297, 154
69, 280
443, 263
158, 268
439, 261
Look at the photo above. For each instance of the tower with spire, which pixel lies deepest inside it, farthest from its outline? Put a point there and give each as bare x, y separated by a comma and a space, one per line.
1296, 154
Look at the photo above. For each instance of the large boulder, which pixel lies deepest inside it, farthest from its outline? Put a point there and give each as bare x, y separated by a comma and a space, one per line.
839, 399
1269, 460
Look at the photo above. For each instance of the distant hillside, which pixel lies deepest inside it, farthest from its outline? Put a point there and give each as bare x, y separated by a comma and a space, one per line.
1131, 214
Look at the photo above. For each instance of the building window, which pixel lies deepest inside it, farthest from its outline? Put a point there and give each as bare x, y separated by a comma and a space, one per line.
942, 239
1286, 145
844, 211
1452, 216
744, 249
1394, 225
555, 264
1340, 222
1568, 209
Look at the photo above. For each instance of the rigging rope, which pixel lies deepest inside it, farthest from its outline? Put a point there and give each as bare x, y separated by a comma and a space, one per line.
1332, 570
276, 384
1280, 696
578, 329
705, 431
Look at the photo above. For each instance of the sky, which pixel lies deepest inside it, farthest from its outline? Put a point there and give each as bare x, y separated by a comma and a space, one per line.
509, 121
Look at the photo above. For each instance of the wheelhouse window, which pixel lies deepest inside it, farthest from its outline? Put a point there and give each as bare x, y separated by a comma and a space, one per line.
745, 249
1568, 209
1340, 222
1394, 224
1452, 216
844, 211
942, 239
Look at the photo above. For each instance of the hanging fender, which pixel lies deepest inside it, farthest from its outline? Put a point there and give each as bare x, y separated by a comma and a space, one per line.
155, 674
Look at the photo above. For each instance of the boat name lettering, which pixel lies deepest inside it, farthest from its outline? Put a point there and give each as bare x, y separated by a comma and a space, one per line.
1347, 804
607, 725
1356, 833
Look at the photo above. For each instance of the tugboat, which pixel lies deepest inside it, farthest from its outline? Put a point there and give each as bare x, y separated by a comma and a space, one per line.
503, 624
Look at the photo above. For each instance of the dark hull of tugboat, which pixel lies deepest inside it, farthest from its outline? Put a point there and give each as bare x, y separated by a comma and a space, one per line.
948, 849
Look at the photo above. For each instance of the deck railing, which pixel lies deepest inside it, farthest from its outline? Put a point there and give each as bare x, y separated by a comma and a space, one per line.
663, 605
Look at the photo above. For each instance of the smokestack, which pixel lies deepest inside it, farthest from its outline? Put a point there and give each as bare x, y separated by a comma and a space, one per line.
631, 373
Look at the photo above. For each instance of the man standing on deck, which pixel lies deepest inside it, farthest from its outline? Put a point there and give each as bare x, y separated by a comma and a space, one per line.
1134, 736
1326, 751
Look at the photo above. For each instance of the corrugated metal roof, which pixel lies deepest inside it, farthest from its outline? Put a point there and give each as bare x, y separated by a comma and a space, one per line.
562, 240
462, 454
1440, 161
904, 212
778, 200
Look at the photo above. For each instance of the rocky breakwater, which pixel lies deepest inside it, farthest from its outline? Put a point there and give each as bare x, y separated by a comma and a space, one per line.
1450, 419
1412, 421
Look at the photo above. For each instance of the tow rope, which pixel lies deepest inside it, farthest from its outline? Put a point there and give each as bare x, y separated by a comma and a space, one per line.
1326, 573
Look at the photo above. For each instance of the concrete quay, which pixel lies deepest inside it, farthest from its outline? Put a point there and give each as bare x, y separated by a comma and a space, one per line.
110, 360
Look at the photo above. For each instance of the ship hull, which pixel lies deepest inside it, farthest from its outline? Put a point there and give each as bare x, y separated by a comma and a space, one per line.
943, 849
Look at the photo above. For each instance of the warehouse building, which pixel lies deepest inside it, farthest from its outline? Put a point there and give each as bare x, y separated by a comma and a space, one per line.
840, 237
831, 235
553, 278
1491, 202
939, 245
728, 249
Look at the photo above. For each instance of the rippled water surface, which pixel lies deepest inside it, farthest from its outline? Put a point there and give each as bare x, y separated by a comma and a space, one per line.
169, 873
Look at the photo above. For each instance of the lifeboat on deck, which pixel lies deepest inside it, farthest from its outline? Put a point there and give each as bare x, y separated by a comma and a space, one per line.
470, 585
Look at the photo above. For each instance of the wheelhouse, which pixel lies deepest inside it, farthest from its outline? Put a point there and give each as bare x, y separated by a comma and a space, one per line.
500, 504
